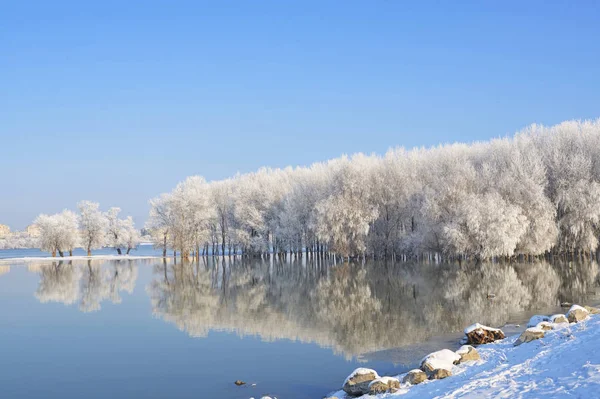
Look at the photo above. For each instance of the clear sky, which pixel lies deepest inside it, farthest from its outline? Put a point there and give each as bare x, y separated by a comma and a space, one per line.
117, 101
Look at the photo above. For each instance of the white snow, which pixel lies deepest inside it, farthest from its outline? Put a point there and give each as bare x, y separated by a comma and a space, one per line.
565, 363
477, 326
443, 359
68, 258
463, 350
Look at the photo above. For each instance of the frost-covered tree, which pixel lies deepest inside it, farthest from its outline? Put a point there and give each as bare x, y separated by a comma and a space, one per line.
530, 194
160, 222
93, 226
58, 233
345, 214
121, 234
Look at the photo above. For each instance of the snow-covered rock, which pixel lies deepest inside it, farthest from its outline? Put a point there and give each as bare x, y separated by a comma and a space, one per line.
537, 319
478, 334
414, 377
383, 384
443, 359
559, 318
563, 366
545, 325
357, 383
440, 374
592, 309
467, 353
531, 334
577, 314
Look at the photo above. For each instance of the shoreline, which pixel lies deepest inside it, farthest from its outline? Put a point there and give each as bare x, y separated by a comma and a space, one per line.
565, 361
77, 257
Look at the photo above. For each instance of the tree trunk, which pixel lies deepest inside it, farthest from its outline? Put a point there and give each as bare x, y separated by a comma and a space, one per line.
89, 252
70, 252
119, 251
54, 253
128, 250
61, 253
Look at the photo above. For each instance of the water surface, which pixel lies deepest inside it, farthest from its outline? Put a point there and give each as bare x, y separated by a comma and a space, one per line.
155, 328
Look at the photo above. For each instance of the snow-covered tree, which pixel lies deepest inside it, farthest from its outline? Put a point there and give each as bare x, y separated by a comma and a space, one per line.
58, 233
536, 192
93, 226
121, 234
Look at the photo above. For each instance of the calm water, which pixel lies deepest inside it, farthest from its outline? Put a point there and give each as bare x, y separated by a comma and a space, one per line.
158, 329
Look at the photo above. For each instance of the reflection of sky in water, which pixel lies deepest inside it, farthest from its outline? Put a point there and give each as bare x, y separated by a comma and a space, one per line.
295, 330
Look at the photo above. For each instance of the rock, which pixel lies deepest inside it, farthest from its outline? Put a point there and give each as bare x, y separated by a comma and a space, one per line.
537, 319
357, 383
443, 359
545, 326
566, 304
467, 353
440, 374
592, 310
577, 314
478, 334
414, 377
239, 383
531, 334
559, 318
384, 384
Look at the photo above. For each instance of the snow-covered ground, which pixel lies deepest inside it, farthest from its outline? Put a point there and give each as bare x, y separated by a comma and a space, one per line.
68, 258
563, 364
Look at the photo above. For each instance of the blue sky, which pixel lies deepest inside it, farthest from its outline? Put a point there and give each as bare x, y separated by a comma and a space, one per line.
117, 101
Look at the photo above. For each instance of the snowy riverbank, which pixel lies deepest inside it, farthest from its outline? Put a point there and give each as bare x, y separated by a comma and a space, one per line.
68, 258
564, 363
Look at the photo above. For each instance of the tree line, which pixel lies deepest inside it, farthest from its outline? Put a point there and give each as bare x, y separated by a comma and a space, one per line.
89, 229
535, 193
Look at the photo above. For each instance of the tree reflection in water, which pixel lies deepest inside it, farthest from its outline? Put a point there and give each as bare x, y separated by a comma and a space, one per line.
357, 308
88, 284
352, 308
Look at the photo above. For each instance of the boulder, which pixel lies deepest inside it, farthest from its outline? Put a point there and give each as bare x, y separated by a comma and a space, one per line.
357, 383
239, 382
414, 377
443, 359
592, 310
440, 374
545, 326
577, 314
531, 334
467, 353
537, 319
478, 334
559, 318
383, 384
